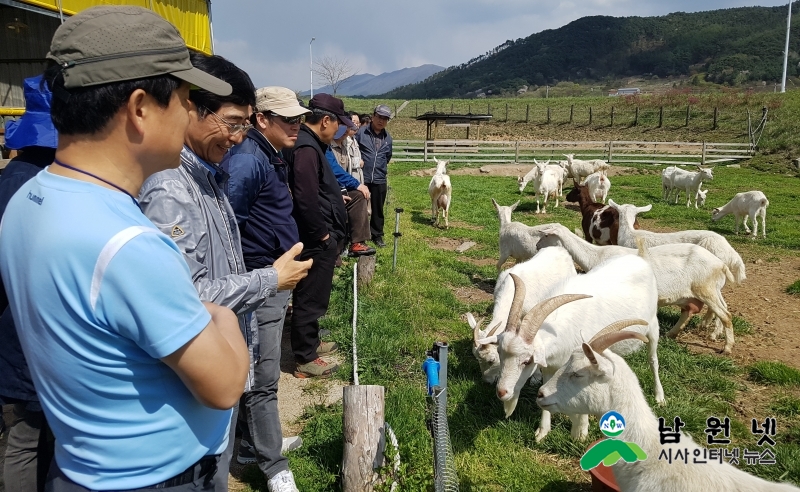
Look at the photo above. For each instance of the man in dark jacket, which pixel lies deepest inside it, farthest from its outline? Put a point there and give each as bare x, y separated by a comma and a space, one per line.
30, 443
321, 217
376, 151
258, 190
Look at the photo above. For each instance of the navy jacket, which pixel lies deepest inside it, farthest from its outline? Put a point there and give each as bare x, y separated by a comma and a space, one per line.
258, 190
376, 151
318, 205
16, 379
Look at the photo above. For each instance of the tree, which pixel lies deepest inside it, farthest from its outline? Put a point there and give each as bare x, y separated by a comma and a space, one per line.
334, 71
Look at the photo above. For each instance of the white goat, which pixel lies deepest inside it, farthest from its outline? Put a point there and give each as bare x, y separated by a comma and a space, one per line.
751, 203
598, 184
559, 169
595, 380
441, 193
709, 240
687, 276
701, 197
689, 181
580, 168
539, 274
517, 240
549, 183
666, 182
621, 287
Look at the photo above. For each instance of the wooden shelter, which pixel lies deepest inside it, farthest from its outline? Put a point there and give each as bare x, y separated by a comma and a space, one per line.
458, 120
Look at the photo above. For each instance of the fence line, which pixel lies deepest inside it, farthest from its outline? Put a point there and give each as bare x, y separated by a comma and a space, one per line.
614, 151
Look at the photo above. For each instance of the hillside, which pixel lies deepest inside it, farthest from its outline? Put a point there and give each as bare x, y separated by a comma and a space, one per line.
728, 46
367, 84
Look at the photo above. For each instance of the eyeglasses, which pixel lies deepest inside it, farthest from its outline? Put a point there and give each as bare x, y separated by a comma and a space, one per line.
232, 129
289, 120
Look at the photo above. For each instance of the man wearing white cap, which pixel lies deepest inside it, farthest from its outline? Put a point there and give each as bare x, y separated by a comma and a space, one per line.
258, 191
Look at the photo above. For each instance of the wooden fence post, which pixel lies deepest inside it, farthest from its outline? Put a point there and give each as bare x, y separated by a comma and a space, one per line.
451, 108
506, 112
425, 151
488, 108
527, 113
636, 118
363, 420
610, 144
516, 152
715, 118
416, 110
703, 158
590, 115
687, 115
660, 116
548, 115
470, 109
395, 109
612, 116
571, 109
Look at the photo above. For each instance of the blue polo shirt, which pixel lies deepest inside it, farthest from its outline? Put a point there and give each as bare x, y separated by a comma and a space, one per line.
100, 296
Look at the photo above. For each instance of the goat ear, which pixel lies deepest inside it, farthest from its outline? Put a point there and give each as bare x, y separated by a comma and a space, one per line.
471, 321
496, 206
514, 207
589, 353
611, 202
646, 208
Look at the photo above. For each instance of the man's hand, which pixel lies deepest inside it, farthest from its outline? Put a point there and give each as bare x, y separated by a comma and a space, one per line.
364, 190
346, 198
290, 271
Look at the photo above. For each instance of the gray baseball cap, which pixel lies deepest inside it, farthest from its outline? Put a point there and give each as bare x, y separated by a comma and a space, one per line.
383, 110
106, 44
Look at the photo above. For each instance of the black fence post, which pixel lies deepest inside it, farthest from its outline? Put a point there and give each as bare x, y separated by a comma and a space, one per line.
687, 115
527, 113
612, 116
416, 109
506, 112
571, 109
660, 116
590, 115
548, 115
715, 118
488, 109
636, 118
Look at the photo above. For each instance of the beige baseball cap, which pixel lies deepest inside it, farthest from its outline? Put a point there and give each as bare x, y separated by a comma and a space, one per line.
106, 44
279, 100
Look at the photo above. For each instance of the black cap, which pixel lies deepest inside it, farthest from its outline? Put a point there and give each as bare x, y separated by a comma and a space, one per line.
333, 105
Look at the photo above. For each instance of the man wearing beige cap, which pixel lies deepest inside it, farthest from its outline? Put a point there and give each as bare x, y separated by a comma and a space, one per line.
258, 191
135, 374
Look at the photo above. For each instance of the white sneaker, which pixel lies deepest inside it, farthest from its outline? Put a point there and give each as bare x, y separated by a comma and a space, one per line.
282, 482
291, 443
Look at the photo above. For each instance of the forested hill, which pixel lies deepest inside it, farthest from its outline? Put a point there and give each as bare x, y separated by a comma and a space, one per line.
728, 46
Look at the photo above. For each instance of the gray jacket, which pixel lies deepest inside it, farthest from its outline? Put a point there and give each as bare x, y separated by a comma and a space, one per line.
187, 204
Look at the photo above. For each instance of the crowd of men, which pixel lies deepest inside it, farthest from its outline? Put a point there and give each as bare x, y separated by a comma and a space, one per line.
161, 215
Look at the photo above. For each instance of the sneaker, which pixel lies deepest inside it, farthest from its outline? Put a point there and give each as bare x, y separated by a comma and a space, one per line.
326, 348
379, 242
315, 368
282, 482
360, 249
246, 454
291, 443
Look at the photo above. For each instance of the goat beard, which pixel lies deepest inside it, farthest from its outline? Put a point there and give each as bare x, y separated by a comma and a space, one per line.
510, 405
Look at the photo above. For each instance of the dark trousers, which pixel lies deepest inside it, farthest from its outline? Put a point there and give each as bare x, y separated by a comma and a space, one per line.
377, 201
358, 217
29, 451
199, 478
310, 299
263, 429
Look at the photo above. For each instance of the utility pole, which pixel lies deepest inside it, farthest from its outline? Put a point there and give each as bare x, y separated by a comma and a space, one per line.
311, 65
786, 48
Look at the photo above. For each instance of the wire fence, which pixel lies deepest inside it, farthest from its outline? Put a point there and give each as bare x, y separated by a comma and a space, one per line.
444, 467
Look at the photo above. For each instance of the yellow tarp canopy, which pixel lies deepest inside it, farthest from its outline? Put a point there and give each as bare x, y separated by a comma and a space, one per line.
191, 17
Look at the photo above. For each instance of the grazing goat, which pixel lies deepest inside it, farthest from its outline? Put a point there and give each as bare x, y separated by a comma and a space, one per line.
750, 203
517, 240
621, 287
687, 276
533, 174
539, 274
595, 380
689, 181
579, 168
441, 193
709, 240
600, 223
598, 184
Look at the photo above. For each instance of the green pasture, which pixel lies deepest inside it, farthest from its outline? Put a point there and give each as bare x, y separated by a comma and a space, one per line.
402, 313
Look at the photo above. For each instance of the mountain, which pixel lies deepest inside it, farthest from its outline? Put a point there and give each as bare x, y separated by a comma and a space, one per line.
727, 46
367, 84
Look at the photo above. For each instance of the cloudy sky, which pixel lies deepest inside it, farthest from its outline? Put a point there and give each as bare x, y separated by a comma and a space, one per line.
270, 39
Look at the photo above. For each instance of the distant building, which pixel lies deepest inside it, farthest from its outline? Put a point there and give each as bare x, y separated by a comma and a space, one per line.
628, 91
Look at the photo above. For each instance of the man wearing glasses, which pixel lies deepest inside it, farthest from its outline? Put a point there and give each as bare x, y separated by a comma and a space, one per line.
258, 190
189, 205
376, 151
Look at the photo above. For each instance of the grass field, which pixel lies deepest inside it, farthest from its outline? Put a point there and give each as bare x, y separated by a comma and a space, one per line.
403, 312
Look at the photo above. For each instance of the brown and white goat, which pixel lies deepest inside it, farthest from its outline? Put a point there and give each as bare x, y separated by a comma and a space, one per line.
600, 223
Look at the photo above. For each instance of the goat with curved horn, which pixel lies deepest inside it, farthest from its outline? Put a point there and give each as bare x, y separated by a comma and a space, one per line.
610, 335
515, 313
536, 316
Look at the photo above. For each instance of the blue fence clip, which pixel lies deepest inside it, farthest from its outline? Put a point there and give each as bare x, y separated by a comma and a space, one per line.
431, 368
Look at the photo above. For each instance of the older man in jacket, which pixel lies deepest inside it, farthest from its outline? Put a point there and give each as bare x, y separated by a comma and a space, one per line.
376, 151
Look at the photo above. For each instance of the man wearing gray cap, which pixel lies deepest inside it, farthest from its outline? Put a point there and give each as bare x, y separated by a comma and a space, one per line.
376, 151
258, 190
135, 374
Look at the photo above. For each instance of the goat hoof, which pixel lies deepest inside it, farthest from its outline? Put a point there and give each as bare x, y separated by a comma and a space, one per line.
672, 334
725, 351
540, 435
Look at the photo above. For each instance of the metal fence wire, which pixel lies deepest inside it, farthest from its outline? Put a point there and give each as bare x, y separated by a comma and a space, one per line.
444, 467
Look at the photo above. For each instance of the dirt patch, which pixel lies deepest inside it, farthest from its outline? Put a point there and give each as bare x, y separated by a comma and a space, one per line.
478, 261
445, 243
472, 295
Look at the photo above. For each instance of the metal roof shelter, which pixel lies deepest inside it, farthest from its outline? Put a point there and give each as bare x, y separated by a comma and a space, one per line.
459, 120
27, 26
